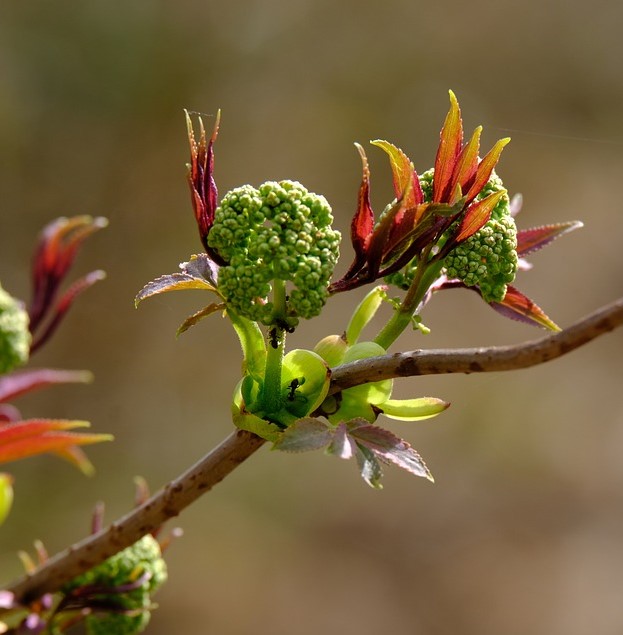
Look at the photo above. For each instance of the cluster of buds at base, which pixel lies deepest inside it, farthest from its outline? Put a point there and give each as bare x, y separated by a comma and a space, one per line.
115, 597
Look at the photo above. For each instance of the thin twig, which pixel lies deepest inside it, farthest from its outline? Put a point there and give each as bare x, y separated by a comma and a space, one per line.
240, 445
479, 360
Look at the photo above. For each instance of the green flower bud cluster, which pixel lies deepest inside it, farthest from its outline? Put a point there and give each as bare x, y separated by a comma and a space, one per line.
125, 567
488, 258
14, 333
279, 231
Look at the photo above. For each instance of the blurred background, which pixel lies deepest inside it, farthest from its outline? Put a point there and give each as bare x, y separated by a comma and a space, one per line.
523, 529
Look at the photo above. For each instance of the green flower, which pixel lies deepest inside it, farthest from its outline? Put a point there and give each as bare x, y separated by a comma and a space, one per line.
268, 236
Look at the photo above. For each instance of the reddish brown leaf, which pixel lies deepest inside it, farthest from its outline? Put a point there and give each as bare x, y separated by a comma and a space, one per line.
23, 381
387, 446
404, 175
467, 162
64, 304
517, 306
193, 319
204, 193
361, 229
379, 241
363, 222
172, 282
54, 442
485, 167
450, 142
535, 238
37, 436
56, 251
476, 216
33, 427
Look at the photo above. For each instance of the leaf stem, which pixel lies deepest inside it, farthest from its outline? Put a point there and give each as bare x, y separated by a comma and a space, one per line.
425, 274
271, 391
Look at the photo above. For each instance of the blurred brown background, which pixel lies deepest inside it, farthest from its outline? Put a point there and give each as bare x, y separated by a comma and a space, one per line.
523, 530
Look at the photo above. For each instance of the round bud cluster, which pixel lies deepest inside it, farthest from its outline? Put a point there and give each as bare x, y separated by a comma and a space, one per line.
279, 231
14, 333
131, 614
488, 258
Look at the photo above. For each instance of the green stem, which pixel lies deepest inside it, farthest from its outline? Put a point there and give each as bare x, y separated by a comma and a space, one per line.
271, 392
425, 274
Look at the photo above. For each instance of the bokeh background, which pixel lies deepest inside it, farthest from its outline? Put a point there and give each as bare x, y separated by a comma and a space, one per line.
523, 530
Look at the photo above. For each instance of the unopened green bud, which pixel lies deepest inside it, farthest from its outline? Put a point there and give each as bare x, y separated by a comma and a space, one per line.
332, 349
14, 333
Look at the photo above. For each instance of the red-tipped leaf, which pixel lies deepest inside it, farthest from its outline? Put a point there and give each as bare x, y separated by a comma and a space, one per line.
450, 142
64, 304
467, 162
204, 193
38, 436
404, 175
535, 238
362, 224
476, 216
23, 381
485, 168
517, 306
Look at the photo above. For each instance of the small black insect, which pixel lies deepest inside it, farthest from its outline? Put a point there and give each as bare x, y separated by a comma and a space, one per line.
294, 384
274, 337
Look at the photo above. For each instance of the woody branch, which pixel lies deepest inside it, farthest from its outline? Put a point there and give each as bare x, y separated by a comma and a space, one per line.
240, 445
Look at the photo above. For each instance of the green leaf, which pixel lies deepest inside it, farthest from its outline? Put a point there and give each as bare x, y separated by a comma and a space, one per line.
353, 406
304, 435
413, 409
246, 394
364, 313
252, 423
363, 350
305, 379
252, 343
361, 401
6, 495
372, 393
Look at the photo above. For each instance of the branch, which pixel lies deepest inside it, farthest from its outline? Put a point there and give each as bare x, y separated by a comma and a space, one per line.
479, 360
240, 445
165, 504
